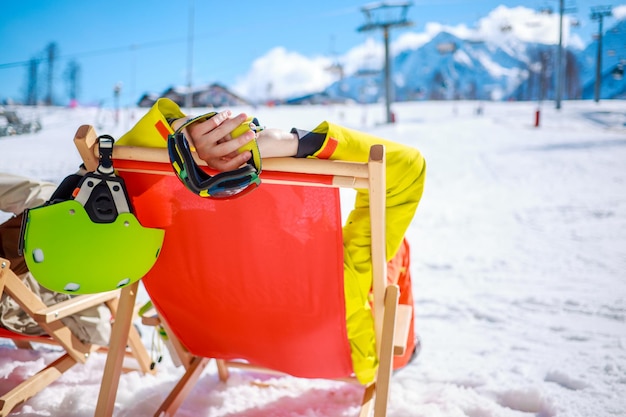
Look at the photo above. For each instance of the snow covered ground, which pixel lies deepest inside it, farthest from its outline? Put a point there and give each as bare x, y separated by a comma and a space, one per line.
518, 259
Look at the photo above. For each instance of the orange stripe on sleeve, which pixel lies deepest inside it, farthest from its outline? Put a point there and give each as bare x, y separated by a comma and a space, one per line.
328, 149
163, 130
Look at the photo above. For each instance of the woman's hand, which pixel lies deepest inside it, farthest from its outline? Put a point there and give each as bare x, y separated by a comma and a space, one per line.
214, 144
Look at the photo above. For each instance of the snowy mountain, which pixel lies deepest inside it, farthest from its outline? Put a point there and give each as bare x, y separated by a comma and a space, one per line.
505, 67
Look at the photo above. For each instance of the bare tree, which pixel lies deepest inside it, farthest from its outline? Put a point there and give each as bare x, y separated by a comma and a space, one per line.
573, 84
51, 54
31, 91
72, 78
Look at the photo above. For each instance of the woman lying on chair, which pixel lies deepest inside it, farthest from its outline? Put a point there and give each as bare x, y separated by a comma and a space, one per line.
406, 169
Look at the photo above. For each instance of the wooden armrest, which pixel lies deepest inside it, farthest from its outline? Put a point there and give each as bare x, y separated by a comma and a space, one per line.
151, 320
72, 306
401, 333
148, 314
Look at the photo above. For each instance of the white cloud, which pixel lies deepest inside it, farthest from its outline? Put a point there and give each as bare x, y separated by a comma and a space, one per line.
619, 12
525, 24
369, 55
460, 31
413, 40
520, 23
281, 74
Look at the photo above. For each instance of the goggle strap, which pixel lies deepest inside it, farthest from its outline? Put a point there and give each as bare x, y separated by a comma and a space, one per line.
193, 120
194, 178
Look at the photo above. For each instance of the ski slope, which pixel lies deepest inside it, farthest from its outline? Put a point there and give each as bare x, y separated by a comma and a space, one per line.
518, 262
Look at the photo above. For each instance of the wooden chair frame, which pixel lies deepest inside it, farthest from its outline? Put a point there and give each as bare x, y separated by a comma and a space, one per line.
49, 319
391, 319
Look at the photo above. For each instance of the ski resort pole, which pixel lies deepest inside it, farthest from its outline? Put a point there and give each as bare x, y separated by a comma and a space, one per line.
537, 116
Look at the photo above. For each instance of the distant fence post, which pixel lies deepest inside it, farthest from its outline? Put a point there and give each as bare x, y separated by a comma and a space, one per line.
537, 117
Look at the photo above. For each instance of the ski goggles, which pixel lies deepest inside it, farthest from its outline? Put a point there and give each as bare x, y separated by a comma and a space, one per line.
221, 186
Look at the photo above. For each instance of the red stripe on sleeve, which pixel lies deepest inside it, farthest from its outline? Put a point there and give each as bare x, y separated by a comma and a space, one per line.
163, 130
329, 148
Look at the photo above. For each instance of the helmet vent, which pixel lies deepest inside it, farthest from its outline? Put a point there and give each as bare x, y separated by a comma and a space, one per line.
71, 287
38, 255
123, 282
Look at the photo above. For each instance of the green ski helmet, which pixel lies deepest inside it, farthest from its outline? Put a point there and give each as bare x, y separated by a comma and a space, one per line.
90, 243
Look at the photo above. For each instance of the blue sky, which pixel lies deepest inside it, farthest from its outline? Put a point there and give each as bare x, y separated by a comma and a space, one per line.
143, 44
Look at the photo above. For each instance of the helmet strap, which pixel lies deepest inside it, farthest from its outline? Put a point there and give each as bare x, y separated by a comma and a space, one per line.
102, 193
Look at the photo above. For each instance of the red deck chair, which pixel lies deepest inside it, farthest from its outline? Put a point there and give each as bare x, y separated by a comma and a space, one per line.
258, 281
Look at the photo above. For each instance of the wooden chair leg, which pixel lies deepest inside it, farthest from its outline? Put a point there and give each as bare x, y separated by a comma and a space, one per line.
22, 344
182, 389
135, 344
368, 400
117, 347
385, 367
35, 383
222, 370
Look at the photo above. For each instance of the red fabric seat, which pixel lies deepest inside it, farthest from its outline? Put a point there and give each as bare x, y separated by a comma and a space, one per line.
9, 334
233, 287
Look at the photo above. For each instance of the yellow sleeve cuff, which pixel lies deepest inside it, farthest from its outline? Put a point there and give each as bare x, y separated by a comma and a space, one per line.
152, 129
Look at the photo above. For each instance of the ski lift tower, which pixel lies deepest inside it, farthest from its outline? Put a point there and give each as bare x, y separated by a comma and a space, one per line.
559, 58
599, 13
559, 65
385, 15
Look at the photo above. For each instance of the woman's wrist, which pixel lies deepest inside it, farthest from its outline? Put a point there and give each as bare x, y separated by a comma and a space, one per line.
176, 123
274, 143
